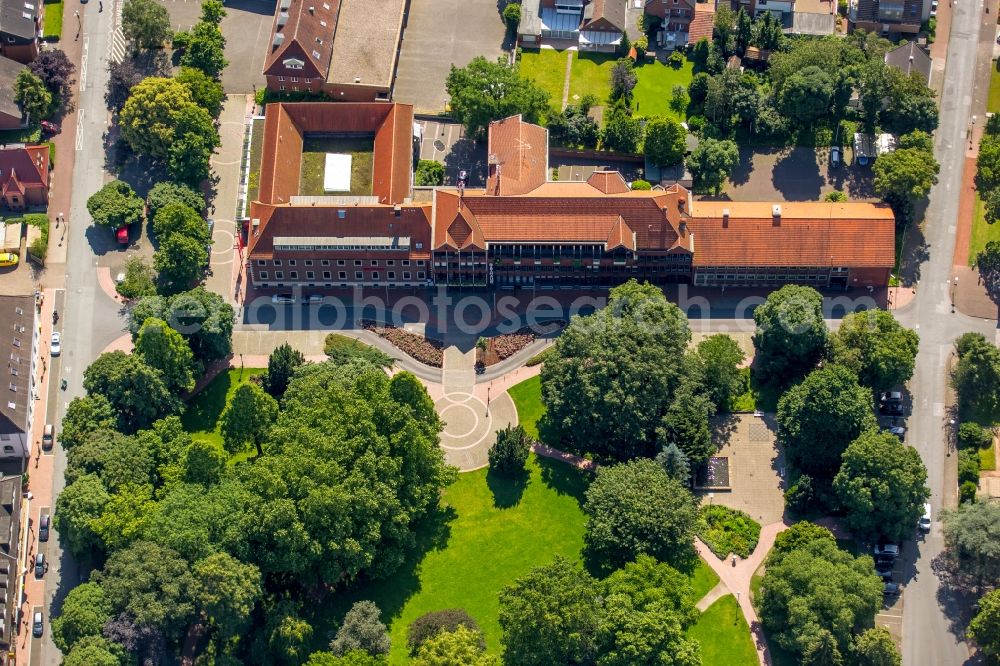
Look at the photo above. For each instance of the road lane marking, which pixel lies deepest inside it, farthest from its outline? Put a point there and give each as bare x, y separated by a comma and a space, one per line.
83, 63
79, 129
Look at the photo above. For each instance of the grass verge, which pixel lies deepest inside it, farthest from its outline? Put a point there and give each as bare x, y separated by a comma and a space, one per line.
527, 397
987, 459
982, 231
52, 23
201, 418
993, 103
724, 635
703, 579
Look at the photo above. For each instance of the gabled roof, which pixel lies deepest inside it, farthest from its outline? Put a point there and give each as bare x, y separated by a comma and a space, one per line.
910, 58
608, 182
604, 14
19, 19
24, 167
306, 29
703, 22
518, 156
17, 323
9, 69
805, 234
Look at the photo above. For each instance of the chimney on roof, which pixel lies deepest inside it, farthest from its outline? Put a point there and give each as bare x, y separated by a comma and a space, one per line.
725, 218
776, 214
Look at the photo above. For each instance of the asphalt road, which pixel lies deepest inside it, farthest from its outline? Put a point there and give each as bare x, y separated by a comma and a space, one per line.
931, 636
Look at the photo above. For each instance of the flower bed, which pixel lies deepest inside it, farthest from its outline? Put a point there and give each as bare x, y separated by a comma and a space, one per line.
726, 530
426, 350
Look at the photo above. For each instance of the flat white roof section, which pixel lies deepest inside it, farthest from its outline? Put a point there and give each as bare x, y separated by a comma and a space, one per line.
337, 176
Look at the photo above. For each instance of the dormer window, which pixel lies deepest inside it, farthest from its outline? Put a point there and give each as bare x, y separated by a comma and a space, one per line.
293, 63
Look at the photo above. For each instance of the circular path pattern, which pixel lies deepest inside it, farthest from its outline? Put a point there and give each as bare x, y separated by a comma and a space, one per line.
470, 429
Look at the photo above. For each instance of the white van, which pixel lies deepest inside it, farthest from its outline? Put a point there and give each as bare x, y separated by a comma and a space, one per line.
925, 520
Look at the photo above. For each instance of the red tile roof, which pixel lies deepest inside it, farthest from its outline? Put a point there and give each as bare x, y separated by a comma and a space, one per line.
702, 23
24, 168
518, 156
853, 235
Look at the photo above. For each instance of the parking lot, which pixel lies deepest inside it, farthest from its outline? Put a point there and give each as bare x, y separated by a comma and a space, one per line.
438, 34
796, 174
246, 28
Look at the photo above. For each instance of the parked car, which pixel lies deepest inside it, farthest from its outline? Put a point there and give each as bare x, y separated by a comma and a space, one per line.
8, 259
312, 298
890, 589
835, 156
43, 527
39, 565
121, 235
925, 520
891, 396
934, 7
885, 575
887, 550
892, 409
48, 436
282, 298
56, 347
50, 128
37, 626
884, 563
898, 431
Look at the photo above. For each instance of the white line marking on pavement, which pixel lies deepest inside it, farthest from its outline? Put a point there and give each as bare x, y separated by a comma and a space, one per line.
79, 129
83, 63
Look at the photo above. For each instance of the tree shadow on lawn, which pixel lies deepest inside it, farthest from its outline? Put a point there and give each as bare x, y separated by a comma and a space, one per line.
564, 479
797, 176
390, 594
507, 490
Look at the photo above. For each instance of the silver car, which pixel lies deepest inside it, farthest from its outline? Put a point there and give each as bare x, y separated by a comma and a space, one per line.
56, 347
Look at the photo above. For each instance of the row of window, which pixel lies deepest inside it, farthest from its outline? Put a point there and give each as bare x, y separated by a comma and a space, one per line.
295, 79
760, 278
341, 275
340, 262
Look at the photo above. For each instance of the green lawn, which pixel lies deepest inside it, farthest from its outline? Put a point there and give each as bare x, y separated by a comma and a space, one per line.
547, 67
591, 74
982, 232
527, 397
993, 104
987, 459
53, 20
724, 635
201, 418
656, 81
494, 531
256, 153
703, 579
314, 165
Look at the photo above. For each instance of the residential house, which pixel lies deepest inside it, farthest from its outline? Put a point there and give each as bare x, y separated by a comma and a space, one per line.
678, 18
19, 333
347, 49
886, 17
20, 29
595, 25
10, 112
522, 230
910, 59
24, 176
11, 580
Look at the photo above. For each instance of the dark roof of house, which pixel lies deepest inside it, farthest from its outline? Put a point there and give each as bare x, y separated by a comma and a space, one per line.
17, 314
868, 10
9, 69
18, 18
10, 530
609, 12
910, 58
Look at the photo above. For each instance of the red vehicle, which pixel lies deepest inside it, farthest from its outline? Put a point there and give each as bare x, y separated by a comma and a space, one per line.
50, 127
122, 235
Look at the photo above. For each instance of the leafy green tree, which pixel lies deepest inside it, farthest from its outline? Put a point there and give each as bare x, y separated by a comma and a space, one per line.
551, 615
806, 95
197, 521
189, 157
679, 99
288, 635
429, 172
791, 334
988, 164
818, 588
623, 80
158, 112
163, 348
819, 418
882, 487
917, 139
119, 460
970, 542
436, 622
353, 658
281, 365
914, 112
213, 11
985, 626
970, 436
204, 318
165, 193
664, 143
712, 162
114, 205
228, 591
461, 647
32, 95
77, 506
875, 647
55, 69
145, 23
800, 534
718, 358
698, 88
743, 31
614, 373
180, 262
177, 218
125, 516
621, 131
877, 347
686, 424
362, 629
140, 279
247, 417
674, 462
509, 453
204, 462
725, 30
767, 32
153, 584
484, 91
905, 175
135, 390
205, 49
976, 377
83, 613
634, 508
83, 416
95, 651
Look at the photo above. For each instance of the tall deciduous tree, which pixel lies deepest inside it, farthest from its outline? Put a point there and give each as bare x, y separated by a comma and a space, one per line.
159, 111
166, 350
136, 391
510, 452
970, 541
179, 262
976, 377
712, 162
202, 317
635, 508
84, 612
875, 647
206, 49
179, 218
877, 347
281, 365
614, 373
145, 23
820, 417
32, 95
484, 91
744, 30
95, 651
362, 629
725, 30
791, 334
806, 95
55, 70
77, 507
228, 591
718, 358
905, 175
461, 647
985, 626
247, 417
83, 416
664, 143
882, 487
165, 193
114, 205
621, 131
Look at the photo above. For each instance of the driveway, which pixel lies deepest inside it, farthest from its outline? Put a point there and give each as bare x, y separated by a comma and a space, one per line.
795, 174
246, 28
438, 34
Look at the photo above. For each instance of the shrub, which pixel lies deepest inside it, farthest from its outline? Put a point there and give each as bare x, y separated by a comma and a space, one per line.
341, 349
726, 530
676, 59
140, 279
967, 492
641, 185
835, 196
968, 466
800, 495
431, 624
510, 452
973, 436
428, 172
425, 350
541, 356
512, 15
